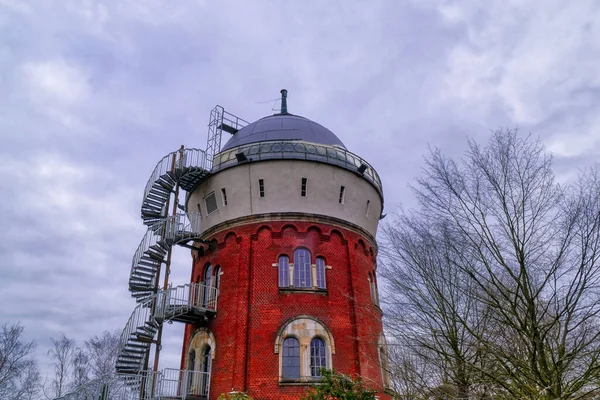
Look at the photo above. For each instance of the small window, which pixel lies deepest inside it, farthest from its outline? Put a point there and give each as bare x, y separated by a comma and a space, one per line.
317, 357
303, 187
302, 268
320, 265
342, 194
224, 196
210, 202
284, 271
205, 376
373, 287
217, 280
261, 188
368, 206
291, 358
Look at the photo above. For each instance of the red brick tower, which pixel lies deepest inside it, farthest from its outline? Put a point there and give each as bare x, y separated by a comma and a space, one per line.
286, 221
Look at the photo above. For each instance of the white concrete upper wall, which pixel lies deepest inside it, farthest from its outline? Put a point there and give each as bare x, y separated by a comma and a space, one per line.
282, 193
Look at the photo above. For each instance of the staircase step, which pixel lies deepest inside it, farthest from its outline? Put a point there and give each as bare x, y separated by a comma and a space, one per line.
152, 264
145, 269
158, 248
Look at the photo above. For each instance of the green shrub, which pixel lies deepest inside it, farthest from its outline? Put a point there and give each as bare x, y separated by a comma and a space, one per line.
336, 386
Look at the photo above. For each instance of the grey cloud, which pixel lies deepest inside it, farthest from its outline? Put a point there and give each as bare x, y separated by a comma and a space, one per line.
94, 94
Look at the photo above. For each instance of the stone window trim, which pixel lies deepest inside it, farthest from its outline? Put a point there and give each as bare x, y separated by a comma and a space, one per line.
199, 340
382, 352
304, 328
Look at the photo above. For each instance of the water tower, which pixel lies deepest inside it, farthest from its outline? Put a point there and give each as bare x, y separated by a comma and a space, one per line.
287, 219
280, 223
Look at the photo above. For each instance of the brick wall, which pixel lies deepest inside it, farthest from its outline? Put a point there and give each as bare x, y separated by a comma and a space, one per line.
252, 309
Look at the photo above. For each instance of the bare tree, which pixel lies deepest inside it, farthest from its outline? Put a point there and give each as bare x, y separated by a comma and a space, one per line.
80, 366
102, 353
19, 376
62, 354
500, 266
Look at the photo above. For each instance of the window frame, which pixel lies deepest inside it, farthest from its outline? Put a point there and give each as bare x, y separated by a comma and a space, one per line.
224, 196
302, 269
304, 187
320, 268
216, 203
304, 329
283, 271
294, 357
315, 370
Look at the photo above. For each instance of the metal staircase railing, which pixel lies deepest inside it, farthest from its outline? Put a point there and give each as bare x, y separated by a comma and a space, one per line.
180, 169
136, 339
186, 167
146, 263
184, 303
153, 249
172, 384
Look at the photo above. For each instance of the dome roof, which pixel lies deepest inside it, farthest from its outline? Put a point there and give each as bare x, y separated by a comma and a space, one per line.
283, 127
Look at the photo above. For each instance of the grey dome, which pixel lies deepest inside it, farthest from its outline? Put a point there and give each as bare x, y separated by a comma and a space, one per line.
283, 127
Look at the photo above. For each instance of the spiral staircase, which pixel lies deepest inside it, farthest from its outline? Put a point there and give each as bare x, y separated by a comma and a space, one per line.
182, 169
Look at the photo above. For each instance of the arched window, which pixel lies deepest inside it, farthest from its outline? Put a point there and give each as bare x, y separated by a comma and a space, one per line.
290, 358
217, 279
305, 347
320, 265
284, 271
201, 352
207, 274
373, 288
205, 375
383, 360
207, 279
318, 359
302, 268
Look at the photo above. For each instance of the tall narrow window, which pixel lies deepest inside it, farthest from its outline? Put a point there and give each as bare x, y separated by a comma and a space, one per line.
303, 187
205, 378
320, 264
284, 271
206, 287
224, 196
217, 278
368, 206
373, 287
261, 188
290, 358
317, 357
342, 194
302, 268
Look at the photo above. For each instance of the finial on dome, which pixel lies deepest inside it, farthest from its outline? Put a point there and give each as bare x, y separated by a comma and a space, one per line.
284, 101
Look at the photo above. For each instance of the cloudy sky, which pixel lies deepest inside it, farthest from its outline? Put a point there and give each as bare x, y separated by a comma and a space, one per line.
94, 93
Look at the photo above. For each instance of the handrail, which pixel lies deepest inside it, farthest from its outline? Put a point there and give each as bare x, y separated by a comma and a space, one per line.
183, 158
145, 385
152, 236
140, 315
177, 300
298, 150
177, 383
182, 226
117, 386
